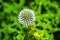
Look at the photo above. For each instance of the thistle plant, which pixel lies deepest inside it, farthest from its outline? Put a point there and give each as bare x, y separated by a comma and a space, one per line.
26, 17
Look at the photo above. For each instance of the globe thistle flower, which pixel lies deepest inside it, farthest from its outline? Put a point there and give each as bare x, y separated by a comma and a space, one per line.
26, 17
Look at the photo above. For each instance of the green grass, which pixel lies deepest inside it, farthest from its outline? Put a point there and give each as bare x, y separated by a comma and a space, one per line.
47, 21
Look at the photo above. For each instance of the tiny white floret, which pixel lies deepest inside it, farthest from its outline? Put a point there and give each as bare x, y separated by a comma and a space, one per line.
26, 17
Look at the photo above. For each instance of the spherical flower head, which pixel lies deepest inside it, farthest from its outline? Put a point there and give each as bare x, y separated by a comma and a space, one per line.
26, 17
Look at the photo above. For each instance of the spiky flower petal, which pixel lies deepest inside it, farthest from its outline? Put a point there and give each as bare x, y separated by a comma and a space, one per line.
26, 17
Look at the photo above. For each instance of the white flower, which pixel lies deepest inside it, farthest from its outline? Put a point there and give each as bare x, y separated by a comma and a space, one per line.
26, 17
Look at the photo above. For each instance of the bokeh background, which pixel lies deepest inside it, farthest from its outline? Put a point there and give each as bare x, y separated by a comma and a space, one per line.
45, 27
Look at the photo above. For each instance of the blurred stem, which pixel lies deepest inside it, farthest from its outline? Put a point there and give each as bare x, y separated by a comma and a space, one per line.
28, 32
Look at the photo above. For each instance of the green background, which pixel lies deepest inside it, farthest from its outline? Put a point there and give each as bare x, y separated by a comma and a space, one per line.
45, 27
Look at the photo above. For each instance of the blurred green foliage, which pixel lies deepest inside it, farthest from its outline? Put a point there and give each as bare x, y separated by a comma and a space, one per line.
47, 21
